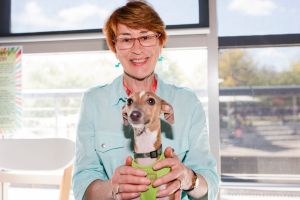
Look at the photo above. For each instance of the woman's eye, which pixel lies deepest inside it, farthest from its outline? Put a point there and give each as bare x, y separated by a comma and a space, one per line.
144, 37
125, 40
151, 101
129, 101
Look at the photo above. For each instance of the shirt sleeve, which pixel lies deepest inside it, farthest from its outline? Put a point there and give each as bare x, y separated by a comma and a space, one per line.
199, 157
87, 166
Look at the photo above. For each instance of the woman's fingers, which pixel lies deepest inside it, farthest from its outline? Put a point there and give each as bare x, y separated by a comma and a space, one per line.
168, 162
168, 152
171, 189
166, 178
177, 195
128, 161
127, 170
129, 179
128, 188
125, 196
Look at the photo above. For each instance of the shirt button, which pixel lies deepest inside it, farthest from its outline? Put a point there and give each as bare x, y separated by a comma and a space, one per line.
103, 145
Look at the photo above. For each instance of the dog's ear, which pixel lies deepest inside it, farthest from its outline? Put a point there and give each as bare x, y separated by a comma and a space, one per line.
125, 116
167, 109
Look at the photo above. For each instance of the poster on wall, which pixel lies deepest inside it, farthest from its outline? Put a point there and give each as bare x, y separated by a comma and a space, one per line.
10, 89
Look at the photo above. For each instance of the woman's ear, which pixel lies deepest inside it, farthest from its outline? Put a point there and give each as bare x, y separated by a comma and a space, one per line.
167, 109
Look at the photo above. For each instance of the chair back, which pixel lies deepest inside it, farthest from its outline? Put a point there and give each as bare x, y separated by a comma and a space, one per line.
36, 154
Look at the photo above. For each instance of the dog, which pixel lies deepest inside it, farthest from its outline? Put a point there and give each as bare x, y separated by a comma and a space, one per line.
142, 111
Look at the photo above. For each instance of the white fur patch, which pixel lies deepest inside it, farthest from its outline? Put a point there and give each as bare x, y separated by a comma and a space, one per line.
145, 142
138, 126
142, 94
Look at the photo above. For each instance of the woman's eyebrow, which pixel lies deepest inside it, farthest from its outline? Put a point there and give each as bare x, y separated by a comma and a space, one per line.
125, 34
143, 32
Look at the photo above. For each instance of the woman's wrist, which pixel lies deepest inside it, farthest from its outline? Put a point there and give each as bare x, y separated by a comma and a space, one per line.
194, 181
186, 181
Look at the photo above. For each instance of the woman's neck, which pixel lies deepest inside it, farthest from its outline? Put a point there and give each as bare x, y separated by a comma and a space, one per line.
135, 85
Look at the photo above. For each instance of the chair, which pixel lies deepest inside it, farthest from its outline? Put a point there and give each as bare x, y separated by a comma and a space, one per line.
36, 155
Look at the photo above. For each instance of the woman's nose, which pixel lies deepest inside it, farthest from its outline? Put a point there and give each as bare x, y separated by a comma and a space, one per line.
137, 47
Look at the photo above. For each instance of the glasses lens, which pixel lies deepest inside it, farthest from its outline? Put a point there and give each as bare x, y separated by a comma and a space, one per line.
148, 40
125, 43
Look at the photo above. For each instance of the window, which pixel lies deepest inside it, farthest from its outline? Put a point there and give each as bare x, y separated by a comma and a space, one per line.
259, 98
257, 17
53, 84
79, 15
259, 111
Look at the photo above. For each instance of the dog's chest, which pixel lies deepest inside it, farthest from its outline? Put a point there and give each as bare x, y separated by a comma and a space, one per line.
145, 142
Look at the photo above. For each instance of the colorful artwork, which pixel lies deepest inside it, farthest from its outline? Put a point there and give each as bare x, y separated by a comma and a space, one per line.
10, 89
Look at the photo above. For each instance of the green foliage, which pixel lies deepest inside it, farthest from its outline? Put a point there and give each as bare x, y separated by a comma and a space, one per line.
237, 68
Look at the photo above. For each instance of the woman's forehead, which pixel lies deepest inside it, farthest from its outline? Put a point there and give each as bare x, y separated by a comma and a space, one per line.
125, 30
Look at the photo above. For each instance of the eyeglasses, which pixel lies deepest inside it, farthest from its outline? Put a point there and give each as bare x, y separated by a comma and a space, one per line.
123, 43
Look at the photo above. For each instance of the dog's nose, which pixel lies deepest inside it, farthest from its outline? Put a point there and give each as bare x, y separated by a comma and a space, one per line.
135, 115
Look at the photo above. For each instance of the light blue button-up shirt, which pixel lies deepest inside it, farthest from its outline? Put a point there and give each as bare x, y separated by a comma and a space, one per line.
103, 142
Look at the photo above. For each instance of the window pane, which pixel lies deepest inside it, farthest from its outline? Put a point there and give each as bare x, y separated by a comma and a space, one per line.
53, 84
57, 15
257, 17
260, 111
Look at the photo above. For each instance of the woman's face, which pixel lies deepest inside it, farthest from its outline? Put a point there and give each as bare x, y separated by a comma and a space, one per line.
138, 61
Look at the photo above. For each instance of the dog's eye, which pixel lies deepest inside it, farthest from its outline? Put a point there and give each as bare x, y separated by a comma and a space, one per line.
151, 101
129, 101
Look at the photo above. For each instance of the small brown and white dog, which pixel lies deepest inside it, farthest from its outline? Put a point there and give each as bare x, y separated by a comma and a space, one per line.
142, 111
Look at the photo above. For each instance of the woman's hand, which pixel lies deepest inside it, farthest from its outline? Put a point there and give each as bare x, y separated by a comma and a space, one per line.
128, 182
179, 178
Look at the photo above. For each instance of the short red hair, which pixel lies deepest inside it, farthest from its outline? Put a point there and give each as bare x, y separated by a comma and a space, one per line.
135, 15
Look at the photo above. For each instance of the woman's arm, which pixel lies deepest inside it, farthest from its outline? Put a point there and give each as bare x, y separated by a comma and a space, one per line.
197, 158
98, 190
181, 176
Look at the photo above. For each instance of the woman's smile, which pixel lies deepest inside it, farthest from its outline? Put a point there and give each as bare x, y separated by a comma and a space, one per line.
139, 61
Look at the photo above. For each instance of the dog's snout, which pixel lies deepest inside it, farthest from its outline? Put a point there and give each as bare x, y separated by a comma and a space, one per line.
135, 115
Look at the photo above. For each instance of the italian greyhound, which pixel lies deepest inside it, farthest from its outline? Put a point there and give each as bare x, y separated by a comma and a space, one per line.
142, 111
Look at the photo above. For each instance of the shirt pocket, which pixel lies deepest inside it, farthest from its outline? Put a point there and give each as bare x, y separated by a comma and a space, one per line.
112, 149
106, 142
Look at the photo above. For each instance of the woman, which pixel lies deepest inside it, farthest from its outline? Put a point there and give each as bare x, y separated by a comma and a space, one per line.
136, 34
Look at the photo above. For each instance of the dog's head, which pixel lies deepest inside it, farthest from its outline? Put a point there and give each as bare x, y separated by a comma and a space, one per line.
144, 108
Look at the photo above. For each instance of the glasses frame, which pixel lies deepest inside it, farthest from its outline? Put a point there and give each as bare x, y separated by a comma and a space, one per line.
156, 35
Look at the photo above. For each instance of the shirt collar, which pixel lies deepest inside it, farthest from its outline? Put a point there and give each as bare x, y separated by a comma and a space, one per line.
118, 94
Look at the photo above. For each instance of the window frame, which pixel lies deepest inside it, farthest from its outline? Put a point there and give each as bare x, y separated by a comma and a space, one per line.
246, 182
5, 25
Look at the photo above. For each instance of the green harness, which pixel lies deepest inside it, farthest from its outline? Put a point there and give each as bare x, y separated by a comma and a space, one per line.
152, 175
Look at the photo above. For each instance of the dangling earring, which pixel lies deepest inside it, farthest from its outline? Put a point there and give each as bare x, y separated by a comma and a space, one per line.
117, 65
161, 58
160, 61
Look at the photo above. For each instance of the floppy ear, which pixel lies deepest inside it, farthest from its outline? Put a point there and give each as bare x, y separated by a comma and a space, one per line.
125, 116
167, 109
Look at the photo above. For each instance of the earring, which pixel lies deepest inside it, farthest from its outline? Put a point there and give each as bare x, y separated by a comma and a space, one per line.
117, 65
160, 59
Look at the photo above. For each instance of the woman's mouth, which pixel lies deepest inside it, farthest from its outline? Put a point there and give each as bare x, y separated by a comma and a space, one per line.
139, 62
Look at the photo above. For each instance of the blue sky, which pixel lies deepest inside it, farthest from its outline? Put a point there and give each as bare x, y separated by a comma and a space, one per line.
262, 17
258, 17
43, 15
